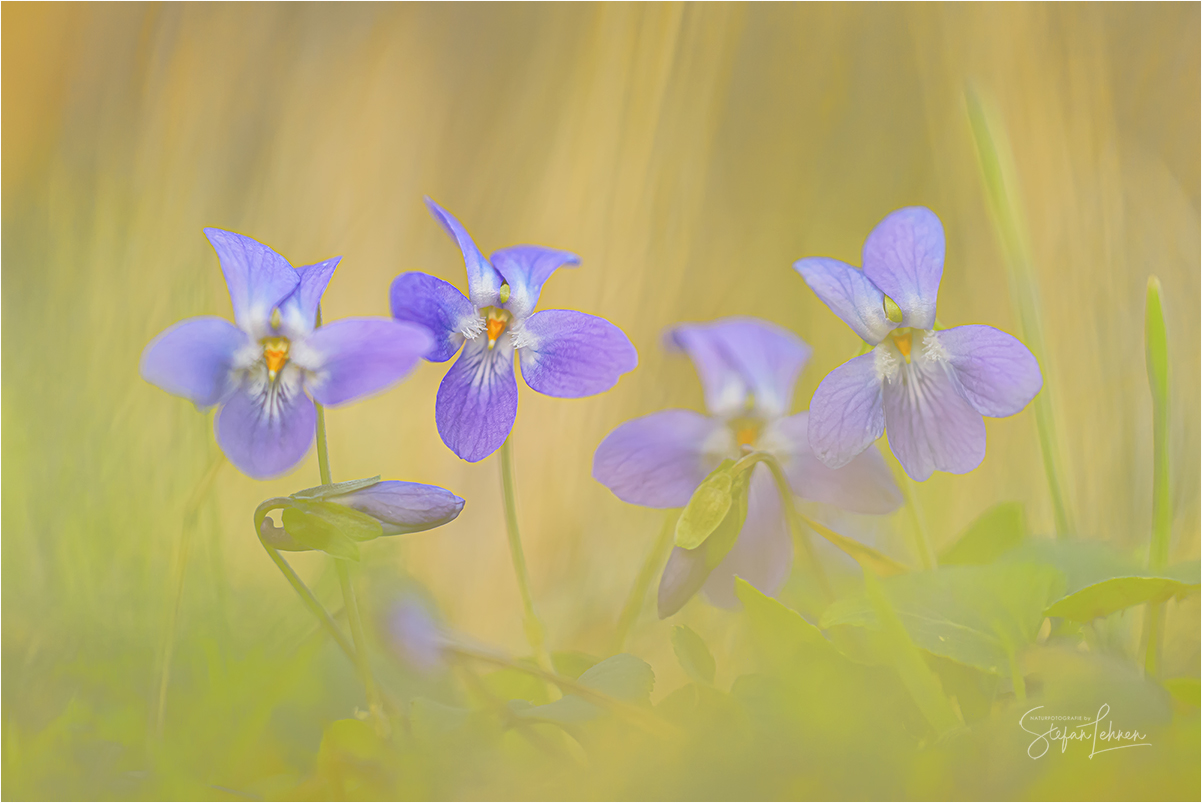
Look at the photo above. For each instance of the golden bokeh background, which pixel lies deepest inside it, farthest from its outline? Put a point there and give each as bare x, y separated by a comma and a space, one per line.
689, 153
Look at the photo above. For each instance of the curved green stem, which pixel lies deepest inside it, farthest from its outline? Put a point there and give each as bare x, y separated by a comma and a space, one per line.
638, 592
922, 534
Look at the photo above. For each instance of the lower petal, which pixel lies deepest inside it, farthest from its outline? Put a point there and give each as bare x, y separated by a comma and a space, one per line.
194, 359
846, 414
763, 554
436, 305
931, 426
355, 357
266, 430
997, 373
570, 354
864, 485
478, 400
657, 460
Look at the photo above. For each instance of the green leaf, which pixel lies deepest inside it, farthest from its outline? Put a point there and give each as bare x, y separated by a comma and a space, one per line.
996, 531
707, 508
315, 532
694, 656
781, 636
336, 489
1186, 691
622, 676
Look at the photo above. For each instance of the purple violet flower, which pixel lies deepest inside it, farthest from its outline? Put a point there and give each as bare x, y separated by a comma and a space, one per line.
262, 371
748, 368
563, 353
929, 388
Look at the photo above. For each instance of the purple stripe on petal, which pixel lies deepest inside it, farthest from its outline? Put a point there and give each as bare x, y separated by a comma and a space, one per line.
849, 294
257, 277
997, 374
525, 268
478, 399
435, 304
864, 485
194, 359
570, 354
903, 256
266, 430
658, 460
846, 414
354, 357
404, 507
763, 554
931, 426
298, 312
483, 281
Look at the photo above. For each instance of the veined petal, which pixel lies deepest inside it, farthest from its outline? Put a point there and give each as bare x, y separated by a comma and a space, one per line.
525, 268
483, 282
849, 294
846, 413
570, 354
437, 305
997, 374
864, 485
194, 359
354, 357
266, 428
298, 312
404, 507
763, 554
660, 459
903, 256
739, 356
257, 277
931, 426
478, 399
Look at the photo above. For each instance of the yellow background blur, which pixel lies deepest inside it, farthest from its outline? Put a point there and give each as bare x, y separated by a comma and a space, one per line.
689, 154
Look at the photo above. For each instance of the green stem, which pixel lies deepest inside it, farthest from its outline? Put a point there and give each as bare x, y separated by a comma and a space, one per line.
535, 633
638, 592
1156, 355
922, 533
800, 536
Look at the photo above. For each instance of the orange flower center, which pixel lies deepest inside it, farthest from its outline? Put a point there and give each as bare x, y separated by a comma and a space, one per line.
275, 354
746, 431
495, 322
904, 340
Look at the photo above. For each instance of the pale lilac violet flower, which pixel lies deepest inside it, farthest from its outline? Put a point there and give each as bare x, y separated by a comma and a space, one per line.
563, 353
748, 369
262, 371
928, 388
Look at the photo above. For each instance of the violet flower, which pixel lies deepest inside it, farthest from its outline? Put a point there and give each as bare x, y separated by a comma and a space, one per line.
748, 368
928, 388
563, 353
262, 371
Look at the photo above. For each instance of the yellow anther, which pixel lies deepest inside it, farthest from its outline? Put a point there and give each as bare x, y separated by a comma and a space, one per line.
892, 311
504, 294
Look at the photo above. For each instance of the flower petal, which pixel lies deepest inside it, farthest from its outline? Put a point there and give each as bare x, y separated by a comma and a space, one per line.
298, 312
525, 268
266, 429
997, 374
931, 426
737, 356
846, 415
570, 354
437, 305
257, 277
864, 485
483, 282
658, 460
354, 357
194, 359
763, 554
903, 256
683, 576
849, 294
404, 507
478, 399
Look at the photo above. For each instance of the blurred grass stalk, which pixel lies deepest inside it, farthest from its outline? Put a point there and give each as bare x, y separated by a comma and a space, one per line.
1156, 350
997, 170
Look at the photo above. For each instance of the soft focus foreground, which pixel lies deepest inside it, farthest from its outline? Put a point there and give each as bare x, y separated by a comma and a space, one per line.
689, 155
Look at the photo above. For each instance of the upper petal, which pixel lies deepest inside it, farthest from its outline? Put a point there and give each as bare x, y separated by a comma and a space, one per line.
525, 268
903, 256
298, 312
658, 460
483, 282
737, 356
478, 399
257, 277
864, 485
404, 507
353, 357
570, 354
849, 294
763, 554
194, 359
997, 374
846, 415
265, 429
931, 426
435, 304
